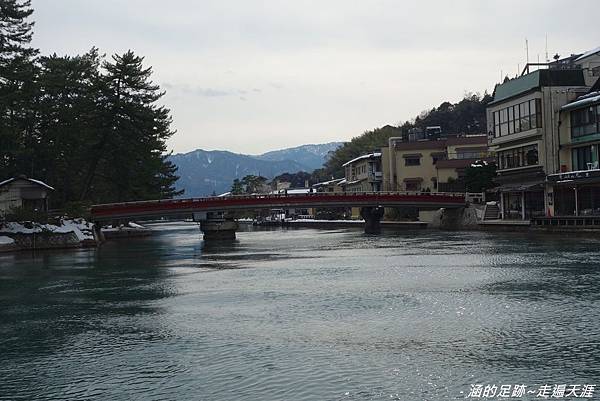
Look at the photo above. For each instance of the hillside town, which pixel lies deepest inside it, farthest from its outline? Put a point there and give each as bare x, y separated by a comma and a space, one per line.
542, 137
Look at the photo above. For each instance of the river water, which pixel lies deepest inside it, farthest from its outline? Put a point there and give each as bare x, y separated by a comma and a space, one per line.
300, 315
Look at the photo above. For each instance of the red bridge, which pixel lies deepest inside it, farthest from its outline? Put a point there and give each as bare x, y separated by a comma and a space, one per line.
371, 205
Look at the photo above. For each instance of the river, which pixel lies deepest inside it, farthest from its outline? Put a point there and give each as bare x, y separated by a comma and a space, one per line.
300, 314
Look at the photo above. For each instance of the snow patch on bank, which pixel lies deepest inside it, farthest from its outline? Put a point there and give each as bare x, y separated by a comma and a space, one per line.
6, 241
82, 229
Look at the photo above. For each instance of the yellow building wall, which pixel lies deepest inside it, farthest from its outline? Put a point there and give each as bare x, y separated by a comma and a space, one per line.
426, 170
446, 173
385, 168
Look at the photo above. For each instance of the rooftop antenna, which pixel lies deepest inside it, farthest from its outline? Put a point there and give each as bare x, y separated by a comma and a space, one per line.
527, 49
547, 59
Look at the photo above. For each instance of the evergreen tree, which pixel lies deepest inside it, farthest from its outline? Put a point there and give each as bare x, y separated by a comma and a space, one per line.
479, 177
17, 87
128, 160
90, 128
254, 184
237, 188
68, 121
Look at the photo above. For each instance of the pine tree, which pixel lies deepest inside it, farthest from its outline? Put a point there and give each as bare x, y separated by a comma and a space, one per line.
128, 160
17, 88
237, 188
68, 121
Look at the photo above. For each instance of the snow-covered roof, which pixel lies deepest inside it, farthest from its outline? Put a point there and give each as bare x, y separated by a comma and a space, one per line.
590, 98
369, 156
37, 182
588, 53
298, 191
336, 181
291, 191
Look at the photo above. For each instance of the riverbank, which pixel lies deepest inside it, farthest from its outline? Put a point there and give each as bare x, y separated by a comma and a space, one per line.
65, 233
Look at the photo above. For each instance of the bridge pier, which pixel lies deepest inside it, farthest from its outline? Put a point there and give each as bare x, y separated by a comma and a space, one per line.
216, 226
372, 216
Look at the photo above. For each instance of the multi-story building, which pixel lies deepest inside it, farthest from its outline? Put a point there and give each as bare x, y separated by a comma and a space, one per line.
431, 165
523, 126
363, 174
576, 189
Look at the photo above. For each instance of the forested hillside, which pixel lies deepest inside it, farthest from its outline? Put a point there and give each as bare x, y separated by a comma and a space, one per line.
466, 116
89, 125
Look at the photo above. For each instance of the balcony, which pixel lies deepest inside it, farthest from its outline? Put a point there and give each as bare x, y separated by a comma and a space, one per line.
375, 176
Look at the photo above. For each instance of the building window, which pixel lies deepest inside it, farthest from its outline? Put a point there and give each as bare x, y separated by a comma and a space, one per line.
585, 158
521, 117
470, 154
518, 157
412, 161
585, 121
435, 157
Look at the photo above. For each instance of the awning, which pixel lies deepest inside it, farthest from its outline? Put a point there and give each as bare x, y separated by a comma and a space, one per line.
521, 187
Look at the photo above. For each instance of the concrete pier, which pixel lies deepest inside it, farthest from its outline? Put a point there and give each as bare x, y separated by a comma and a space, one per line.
372, 217
217, 226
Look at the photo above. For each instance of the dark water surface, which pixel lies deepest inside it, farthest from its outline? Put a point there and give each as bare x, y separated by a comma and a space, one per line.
300, 315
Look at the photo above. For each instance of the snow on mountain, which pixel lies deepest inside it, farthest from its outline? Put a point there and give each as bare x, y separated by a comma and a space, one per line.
203, 172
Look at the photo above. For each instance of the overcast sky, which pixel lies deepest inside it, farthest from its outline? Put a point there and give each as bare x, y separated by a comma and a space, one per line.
251, 76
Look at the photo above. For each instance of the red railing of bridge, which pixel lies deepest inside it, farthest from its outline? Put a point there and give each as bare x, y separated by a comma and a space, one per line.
274, 200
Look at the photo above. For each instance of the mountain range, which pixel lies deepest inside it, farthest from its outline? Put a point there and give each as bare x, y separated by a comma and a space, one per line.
203, 172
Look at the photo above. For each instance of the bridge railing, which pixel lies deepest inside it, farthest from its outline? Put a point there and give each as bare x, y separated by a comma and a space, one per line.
287, 196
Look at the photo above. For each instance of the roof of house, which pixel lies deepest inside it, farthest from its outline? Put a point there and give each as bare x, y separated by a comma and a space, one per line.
291, 191
37, 182
535, 80
467, 140
583, 101
588, 54
416, 145
324, 183
373, 155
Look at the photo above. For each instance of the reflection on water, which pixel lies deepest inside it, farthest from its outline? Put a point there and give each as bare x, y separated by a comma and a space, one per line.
299, 315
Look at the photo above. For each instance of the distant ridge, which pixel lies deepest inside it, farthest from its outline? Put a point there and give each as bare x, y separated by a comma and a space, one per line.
203, 172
